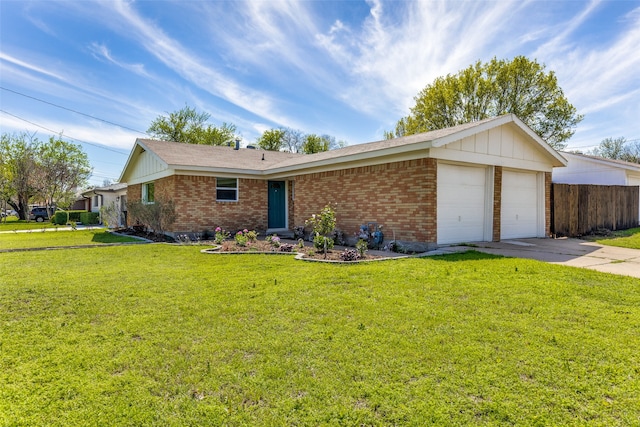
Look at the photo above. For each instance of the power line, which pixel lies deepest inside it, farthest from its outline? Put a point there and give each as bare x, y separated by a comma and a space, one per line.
72, 110
66, 136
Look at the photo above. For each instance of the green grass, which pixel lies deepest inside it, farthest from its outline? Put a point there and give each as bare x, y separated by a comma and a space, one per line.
164, 335
12, 223
625, 239
50, 239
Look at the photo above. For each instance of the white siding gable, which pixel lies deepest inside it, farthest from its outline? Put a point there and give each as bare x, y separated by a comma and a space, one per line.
501, 146
586, 171
147, 167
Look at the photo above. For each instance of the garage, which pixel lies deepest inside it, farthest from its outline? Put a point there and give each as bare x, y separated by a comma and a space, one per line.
519, 212
461, 211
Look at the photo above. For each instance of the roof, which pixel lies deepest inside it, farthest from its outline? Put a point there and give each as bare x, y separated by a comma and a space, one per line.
107, 188
207, 158
601, 160
179, 155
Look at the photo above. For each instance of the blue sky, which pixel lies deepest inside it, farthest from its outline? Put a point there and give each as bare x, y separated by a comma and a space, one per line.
345, 68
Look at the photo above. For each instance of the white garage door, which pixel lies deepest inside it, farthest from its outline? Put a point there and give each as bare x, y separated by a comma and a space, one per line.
461, 203
519, 212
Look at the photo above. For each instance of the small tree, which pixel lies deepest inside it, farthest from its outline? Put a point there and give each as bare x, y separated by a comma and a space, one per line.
323, 226
110, 214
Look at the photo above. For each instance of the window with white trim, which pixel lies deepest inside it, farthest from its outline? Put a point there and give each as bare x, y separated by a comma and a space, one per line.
226, 189
148, 193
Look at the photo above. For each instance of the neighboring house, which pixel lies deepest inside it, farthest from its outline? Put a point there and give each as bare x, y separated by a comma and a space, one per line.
114, 195
482, 181
584, 169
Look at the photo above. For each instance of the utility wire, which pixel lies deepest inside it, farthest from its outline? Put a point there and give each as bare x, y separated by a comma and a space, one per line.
66, 136
69, 109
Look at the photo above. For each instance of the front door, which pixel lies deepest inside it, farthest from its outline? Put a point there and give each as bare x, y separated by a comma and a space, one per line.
277, 204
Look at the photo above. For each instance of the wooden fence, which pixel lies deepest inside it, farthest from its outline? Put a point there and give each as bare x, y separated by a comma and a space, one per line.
580, 209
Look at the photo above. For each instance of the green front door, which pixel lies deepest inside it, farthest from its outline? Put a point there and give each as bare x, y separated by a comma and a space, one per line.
277, 204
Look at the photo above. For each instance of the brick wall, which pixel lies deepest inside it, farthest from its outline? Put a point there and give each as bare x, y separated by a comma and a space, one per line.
197, 209
497, 202
401, 196
547, 204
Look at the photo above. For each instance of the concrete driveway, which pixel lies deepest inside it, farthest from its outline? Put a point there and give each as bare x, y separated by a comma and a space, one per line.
565, 251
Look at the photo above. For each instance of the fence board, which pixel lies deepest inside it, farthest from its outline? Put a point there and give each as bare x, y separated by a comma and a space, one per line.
580, 209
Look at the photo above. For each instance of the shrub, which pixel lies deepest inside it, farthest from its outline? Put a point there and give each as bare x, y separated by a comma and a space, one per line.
286, 247
220, 235
323, 227
362, 246
60, 218
156, 216
90, 218
274, 240
241, 238
252, 235
349, 255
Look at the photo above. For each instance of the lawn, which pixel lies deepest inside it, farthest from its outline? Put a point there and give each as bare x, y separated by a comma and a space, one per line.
51, 239
625, 238
164, 335
13, 223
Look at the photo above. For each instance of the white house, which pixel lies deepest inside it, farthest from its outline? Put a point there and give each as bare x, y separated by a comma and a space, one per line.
584, 169
114, 194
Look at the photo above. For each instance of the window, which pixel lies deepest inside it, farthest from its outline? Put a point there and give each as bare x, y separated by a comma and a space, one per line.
227, 189
148, 192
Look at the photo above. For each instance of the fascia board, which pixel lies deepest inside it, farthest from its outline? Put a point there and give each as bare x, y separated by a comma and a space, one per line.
604, 162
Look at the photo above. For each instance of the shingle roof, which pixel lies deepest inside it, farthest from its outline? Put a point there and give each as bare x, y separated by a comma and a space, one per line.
207, 156
626, 165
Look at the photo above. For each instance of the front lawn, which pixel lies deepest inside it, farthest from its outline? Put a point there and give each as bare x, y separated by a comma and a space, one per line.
625, 238
164, 335
50, 239
12, 223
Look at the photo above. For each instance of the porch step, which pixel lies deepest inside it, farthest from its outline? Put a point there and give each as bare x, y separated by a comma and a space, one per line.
281, 232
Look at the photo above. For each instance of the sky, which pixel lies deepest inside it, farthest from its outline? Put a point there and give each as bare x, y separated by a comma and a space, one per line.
99, 72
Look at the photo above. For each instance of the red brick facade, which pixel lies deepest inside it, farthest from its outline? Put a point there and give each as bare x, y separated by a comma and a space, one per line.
400, 196
497, 202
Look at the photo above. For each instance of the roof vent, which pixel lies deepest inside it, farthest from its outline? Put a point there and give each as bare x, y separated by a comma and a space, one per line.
237, 144
251, 147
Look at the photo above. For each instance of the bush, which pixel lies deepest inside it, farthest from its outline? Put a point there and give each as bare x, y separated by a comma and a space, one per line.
90, 218
60, 218
156, 216
349, 255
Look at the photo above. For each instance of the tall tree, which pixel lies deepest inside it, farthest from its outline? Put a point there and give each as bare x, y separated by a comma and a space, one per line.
190, 126
272, 139
315, 144
20, 171
520, 86
65, 167
293, 140
618, 149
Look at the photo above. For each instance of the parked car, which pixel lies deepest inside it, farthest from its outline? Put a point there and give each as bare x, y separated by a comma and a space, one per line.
39, 214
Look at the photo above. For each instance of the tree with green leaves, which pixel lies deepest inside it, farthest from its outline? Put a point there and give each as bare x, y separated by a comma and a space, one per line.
272, 139
520, 86
32, 170
190, 126
315, 144
19, 171
65, 167
618, 149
